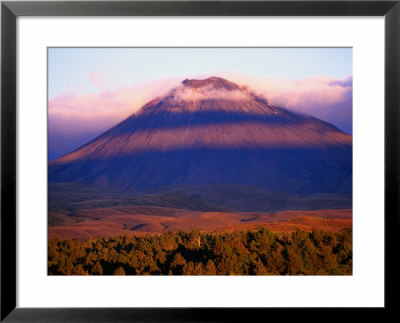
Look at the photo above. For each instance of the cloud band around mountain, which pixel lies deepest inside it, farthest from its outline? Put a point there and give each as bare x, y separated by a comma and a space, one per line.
74, 117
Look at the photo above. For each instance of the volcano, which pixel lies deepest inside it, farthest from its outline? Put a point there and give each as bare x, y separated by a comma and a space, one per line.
214, 132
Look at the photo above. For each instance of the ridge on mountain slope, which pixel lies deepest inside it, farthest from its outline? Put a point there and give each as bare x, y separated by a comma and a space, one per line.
214, 131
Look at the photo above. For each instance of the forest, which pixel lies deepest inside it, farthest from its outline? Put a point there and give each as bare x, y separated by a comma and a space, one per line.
260, 252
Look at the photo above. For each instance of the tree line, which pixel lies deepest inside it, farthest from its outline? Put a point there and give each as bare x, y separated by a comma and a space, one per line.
260, 252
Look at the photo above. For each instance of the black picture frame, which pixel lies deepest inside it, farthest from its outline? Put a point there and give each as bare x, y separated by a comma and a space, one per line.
10, 10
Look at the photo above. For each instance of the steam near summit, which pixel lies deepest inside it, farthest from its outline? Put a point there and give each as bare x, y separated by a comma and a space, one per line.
214, 131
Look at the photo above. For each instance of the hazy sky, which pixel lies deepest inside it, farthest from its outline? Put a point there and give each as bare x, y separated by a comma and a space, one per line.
91, 89
71, 68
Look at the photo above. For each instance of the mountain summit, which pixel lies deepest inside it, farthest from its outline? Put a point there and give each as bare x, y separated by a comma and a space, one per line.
214, 131
215, 82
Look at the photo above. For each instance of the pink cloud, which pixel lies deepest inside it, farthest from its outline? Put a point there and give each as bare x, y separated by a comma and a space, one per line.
80, 113
302, 95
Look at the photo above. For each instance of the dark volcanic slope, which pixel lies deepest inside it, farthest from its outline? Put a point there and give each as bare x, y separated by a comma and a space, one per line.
214, 131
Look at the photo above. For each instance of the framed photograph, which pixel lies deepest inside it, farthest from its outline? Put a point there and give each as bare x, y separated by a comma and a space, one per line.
198, 161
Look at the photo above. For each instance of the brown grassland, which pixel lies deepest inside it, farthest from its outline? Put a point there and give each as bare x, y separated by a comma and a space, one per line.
141, 220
